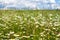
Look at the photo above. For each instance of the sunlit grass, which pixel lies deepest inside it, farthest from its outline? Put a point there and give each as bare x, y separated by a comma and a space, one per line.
30, 25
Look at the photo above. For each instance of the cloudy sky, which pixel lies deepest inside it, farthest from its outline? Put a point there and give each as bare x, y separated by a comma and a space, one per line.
39, 4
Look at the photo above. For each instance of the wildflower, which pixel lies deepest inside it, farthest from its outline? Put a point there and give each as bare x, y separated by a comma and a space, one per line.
11, 39
15, 18
2, 25
22, 27
56, 17
37, 26
42, 33
16, 35
11, 32
25, 18
47, 30
40, 15
50, 15
56, 23
19, 17
0, 18
24, 32
54, 28
50, 23
36, 22
58, 35
41, 24
26, 36
50, 18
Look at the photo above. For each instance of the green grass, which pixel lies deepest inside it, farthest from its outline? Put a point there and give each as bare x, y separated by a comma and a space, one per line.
30, 24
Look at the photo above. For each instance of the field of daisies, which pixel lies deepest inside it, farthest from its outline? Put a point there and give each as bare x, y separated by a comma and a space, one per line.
29, 24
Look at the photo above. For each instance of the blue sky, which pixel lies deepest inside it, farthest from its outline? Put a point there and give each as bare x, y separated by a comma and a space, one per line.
39, 4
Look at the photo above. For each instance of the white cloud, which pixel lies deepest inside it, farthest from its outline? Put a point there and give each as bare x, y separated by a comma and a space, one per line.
53, 6
26, 3
52, 1
8, 1
18, 3
58, 6
29, 4
35, 0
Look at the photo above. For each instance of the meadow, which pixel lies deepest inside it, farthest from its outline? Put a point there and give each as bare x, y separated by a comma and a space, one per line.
30, 24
